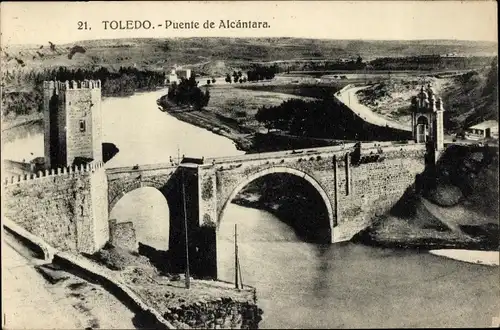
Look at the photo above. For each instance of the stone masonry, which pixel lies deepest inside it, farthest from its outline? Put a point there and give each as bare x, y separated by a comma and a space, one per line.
123, 235
73, 123
353, 192
66, 207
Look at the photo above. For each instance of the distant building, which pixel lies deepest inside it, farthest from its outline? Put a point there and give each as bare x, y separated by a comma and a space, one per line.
486, 129
177, 74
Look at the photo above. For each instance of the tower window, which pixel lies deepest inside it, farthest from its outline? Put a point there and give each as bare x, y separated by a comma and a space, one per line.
82, 126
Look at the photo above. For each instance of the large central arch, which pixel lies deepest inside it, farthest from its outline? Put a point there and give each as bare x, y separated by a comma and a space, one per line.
272, 170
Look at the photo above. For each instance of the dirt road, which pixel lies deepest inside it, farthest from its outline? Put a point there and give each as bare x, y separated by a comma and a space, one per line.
31, 302
349, 98
26, 300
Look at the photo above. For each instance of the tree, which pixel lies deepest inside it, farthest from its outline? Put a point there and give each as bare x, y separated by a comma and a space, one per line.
187, 92
213, 80
208, 81
228, 78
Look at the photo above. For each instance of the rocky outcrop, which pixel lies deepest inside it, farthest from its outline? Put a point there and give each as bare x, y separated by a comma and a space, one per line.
222, 313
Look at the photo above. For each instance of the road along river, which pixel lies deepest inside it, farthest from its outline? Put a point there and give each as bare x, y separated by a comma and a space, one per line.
299, 285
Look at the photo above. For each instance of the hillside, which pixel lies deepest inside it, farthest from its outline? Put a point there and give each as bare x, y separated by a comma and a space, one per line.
471, 98
219, 54
460, 210
213, 57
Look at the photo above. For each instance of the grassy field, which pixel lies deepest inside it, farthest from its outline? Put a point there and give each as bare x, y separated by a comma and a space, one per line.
241, 104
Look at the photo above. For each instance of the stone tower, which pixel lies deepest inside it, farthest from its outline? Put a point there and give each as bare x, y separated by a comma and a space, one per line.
427, 118
73, 122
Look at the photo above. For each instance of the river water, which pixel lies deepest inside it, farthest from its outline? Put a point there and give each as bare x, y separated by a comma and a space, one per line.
299, 285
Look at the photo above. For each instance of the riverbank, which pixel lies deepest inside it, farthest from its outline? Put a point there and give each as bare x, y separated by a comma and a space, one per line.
219, 125
205, 305
393, 232
21, 126
457, 208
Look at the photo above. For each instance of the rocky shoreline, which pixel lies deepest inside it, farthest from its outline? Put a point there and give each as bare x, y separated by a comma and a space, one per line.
208, 304
414, 241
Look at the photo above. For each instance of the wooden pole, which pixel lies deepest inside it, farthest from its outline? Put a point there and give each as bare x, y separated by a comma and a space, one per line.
239, 271
236, 279
187, 274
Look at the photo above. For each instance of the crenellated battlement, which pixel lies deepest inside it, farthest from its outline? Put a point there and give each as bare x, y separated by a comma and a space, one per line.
58, 172
71, 85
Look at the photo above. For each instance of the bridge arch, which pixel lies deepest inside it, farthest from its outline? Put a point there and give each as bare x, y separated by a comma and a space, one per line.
133, 185
152, 227
279, 169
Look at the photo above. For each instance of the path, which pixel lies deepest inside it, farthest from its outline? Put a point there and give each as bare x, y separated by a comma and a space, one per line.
27, 302
349, 98
31, 302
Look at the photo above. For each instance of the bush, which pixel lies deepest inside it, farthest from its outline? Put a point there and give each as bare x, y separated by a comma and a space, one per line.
445, 195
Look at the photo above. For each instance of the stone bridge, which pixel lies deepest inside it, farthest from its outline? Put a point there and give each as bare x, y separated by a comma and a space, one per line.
69, 207
353, 188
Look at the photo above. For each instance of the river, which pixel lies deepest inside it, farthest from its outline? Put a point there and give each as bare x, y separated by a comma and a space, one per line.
299, 285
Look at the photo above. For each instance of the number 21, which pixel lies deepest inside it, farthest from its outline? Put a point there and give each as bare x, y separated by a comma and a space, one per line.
82, 25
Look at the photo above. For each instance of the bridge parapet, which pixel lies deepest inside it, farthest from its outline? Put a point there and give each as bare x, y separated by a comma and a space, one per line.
60, 171
311, 154
289, 154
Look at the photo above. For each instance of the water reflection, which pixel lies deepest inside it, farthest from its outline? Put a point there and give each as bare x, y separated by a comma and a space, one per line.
303, 285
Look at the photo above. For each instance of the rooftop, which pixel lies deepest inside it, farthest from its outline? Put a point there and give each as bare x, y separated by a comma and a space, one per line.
485, 124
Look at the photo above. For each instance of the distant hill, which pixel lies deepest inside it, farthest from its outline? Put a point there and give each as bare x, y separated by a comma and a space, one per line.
215, 55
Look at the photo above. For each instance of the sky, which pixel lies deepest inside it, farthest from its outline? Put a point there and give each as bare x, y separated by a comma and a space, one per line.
38, 23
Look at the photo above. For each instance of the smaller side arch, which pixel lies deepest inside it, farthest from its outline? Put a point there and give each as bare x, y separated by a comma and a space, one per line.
136, 184
271, 170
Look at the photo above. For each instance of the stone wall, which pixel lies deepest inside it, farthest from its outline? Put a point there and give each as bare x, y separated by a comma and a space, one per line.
80, 106
223, 313
123, 235
375, 187
207, 197
355, 192
58, 206
99, 196
67, 106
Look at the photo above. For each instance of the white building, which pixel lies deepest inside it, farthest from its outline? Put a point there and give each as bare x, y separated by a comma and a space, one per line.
177, 73
486, 129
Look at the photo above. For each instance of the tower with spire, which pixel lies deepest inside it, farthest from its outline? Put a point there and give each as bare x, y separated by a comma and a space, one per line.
427, 118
